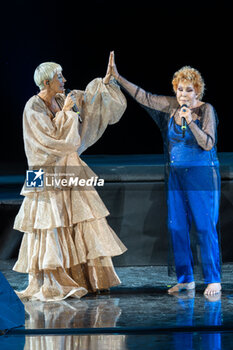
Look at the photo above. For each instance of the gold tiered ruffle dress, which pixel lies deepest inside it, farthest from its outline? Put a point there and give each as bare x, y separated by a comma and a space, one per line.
67, 243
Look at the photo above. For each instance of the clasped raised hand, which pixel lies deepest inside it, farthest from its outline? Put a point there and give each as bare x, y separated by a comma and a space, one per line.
112, 69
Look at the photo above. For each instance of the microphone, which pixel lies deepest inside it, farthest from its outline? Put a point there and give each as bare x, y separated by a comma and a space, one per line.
75, 108
183, 120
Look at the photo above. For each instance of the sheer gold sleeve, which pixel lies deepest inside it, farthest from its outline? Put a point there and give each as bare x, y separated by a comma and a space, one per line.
45, 137
100, 105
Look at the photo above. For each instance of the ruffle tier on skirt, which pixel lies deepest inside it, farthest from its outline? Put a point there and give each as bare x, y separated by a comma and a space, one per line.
65, 260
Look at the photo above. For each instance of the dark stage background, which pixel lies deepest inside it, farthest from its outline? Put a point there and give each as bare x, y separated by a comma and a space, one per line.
151, 39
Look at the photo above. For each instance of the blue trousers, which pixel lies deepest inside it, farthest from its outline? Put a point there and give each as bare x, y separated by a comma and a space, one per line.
194, 194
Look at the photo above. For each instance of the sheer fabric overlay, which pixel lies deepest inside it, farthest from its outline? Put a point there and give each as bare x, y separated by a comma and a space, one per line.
67, 244
162, 108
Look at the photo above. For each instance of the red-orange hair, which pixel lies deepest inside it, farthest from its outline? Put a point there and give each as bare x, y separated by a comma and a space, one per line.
193, 76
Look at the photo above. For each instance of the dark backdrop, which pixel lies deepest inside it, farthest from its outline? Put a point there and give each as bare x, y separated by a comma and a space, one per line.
151, 39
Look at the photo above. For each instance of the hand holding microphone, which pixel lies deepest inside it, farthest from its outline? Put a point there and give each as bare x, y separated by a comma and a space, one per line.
70, 103
186, 118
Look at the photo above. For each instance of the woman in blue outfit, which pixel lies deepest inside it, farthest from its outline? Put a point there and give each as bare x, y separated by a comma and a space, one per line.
192, 176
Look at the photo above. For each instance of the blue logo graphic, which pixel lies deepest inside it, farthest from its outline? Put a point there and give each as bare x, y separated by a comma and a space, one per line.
35, 178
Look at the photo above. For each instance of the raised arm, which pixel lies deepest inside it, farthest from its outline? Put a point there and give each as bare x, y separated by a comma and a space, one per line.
157, 102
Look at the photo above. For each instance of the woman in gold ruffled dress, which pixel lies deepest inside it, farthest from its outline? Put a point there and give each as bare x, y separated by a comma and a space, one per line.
67, 244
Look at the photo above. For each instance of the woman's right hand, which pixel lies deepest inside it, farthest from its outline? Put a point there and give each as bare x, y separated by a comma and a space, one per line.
69, 102
114, 70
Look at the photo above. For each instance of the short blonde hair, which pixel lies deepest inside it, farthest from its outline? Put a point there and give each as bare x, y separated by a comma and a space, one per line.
192, 75
46, 71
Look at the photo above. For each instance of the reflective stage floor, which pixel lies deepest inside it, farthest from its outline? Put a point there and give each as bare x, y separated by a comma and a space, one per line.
139, 314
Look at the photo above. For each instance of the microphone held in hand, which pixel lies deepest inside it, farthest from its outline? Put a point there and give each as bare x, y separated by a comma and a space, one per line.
74, 108
183, 121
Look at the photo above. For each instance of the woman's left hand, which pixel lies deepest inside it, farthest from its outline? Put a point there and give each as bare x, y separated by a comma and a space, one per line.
109, 69
185, 112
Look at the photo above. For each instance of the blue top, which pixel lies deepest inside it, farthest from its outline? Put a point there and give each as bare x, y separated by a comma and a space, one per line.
185, 150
